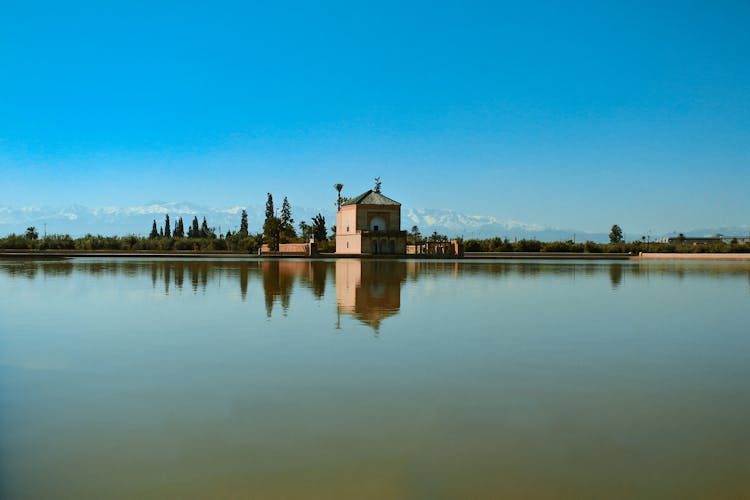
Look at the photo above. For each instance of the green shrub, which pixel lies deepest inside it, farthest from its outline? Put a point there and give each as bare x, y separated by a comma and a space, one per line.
528, 245
15, 242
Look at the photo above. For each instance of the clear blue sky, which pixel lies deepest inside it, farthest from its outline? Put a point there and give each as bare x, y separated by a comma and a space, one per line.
570, 114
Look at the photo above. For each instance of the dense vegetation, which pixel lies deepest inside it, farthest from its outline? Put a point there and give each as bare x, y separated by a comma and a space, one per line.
238, 242
634, 247
130, 243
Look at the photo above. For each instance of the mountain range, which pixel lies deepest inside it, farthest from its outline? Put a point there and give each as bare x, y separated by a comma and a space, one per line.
78, 220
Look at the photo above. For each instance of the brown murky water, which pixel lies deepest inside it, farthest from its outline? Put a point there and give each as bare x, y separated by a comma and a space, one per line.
373, 379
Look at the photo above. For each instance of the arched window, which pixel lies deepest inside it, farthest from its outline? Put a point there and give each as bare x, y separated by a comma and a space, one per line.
378, 224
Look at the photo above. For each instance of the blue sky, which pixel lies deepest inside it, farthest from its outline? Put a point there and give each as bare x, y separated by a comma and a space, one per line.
570, 114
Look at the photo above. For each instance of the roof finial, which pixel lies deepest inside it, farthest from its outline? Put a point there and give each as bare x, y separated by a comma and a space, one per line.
377, 184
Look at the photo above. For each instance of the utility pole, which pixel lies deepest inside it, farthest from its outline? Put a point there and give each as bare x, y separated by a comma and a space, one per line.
45, 230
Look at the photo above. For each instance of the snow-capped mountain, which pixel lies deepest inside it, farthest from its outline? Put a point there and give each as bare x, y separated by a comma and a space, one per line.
78, 220
452, 223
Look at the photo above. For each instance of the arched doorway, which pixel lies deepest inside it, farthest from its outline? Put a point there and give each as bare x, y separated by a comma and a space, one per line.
392, 246
383, 246
374, 246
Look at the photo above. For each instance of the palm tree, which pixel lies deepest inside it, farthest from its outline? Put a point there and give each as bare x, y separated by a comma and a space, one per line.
338, 187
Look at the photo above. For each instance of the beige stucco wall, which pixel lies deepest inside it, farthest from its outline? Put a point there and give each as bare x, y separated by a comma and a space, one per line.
349, 244
346, 218
347, 239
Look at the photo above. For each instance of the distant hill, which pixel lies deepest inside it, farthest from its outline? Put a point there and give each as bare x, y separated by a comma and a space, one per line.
77, 220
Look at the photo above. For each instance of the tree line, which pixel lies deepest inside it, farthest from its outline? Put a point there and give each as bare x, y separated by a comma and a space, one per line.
279, 228
251, 243
617, 244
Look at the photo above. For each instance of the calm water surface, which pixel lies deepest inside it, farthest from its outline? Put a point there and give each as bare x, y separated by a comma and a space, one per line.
374, 379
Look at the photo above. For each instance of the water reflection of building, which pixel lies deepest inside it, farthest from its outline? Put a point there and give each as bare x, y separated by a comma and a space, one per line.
369, 290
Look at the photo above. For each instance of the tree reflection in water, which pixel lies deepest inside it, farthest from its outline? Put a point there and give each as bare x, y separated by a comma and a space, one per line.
615, 274
366, 289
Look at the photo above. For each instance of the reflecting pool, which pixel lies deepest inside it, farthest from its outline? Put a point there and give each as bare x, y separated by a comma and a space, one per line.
132, 378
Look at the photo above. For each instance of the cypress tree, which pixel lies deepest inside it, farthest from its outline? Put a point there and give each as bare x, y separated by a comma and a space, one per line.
167, 230
269, 207
206, 232
154, 232
195, 231
243, 224
181, 230
286, 228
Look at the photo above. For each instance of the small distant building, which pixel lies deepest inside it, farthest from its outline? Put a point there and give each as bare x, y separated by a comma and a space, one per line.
741, 240
707, 240
443, 249
370, 224
694, 240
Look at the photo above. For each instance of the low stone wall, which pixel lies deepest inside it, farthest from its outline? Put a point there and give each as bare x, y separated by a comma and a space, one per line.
294, 248
307, 249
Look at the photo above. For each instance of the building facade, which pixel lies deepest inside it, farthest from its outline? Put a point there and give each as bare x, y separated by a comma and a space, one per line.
370, 224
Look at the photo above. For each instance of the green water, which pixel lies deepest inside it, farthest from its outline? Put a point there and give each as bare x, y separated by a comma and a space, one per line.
374, 379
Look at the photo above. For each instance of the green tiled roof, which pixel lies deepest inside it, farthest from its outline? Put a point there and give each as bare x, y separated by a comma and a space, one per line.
371, 198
